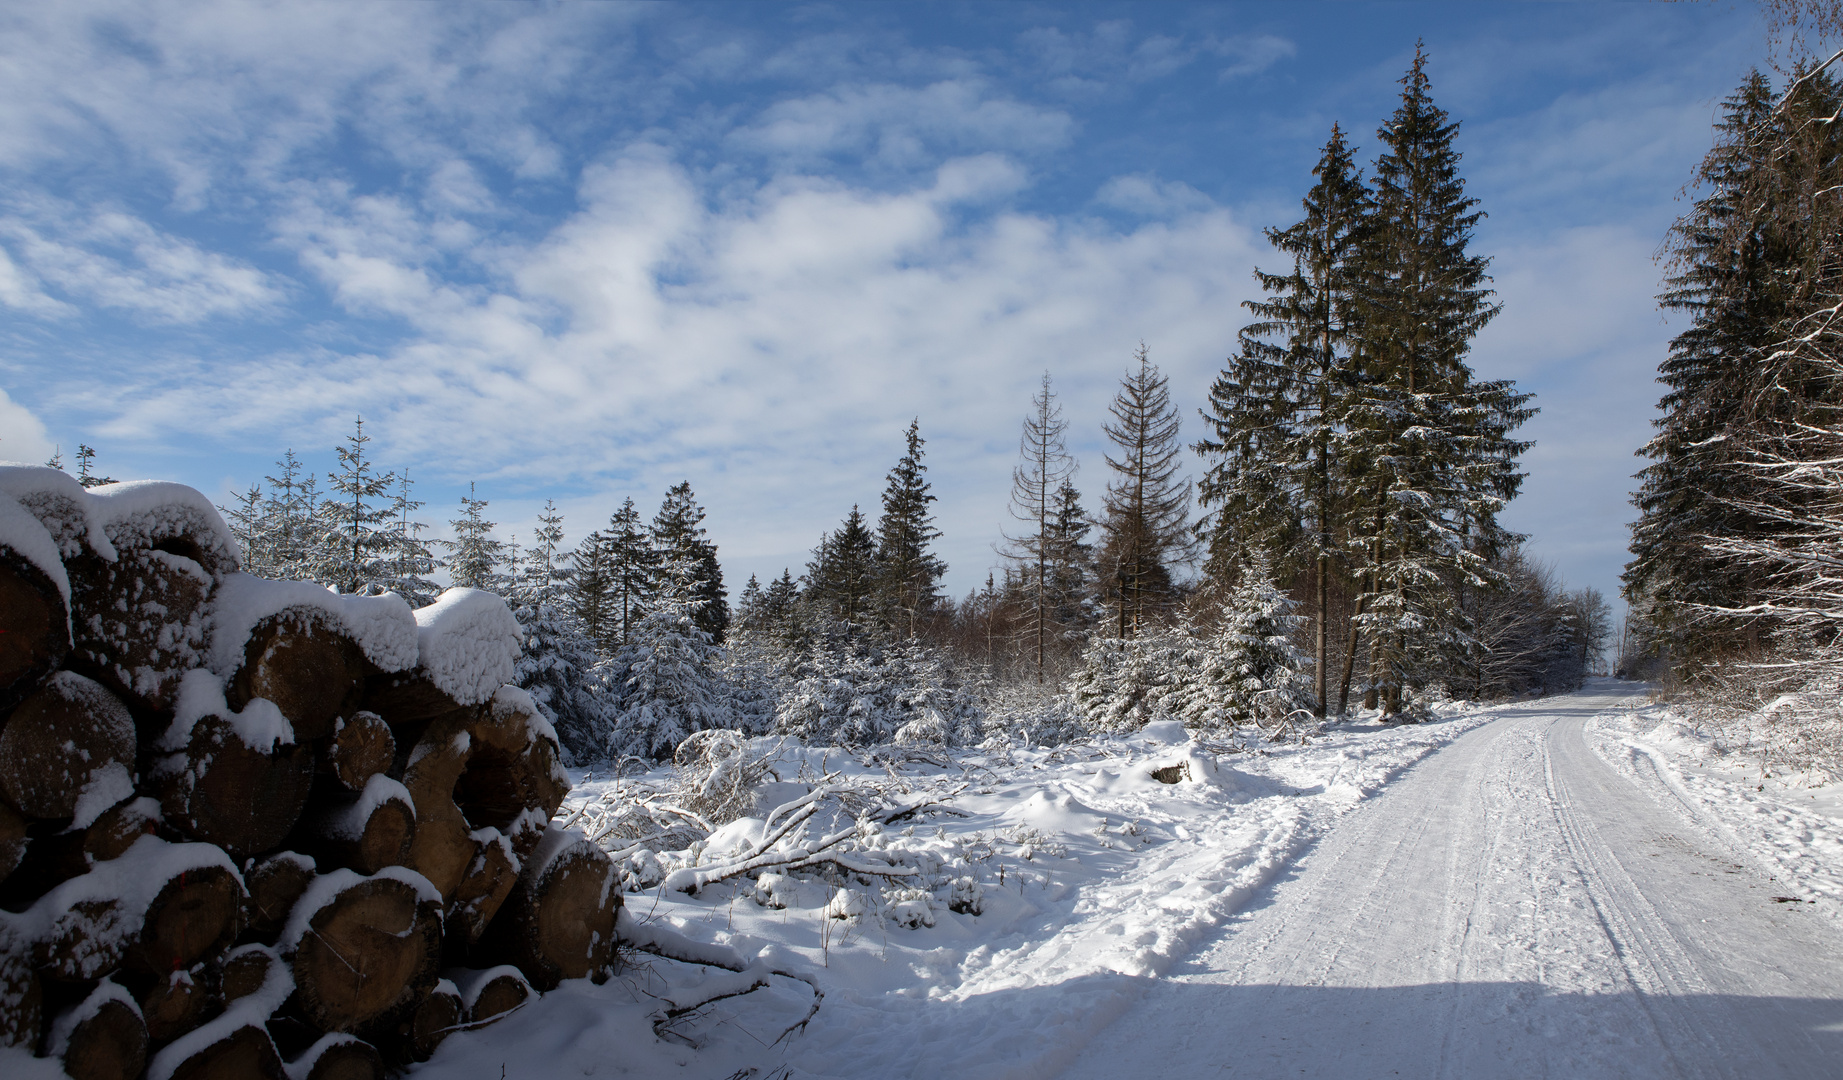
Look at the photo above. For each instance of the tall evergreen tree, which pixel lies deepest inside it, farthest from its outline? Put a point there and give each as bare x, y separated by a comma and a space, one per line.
474, 555
1071, 568
910, 574
1146, 506
355, 536
1749, 380
841, 579
631, 564
408, 558
591, 589
678, 535
1044, 469
291, 512
1430, 447
1279, 486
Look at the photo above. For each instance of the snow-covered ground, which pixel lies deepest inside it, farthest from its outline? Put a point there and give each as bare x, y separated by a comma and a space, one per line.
1792, 825
1092, 879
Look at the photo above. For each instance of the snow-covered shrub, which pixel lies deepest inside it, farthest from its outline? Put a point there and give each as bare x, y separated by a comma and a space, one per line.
966, 896
1124, 684
1247, 669
909, 908
668, 683
718, 772
847, 904
845, 689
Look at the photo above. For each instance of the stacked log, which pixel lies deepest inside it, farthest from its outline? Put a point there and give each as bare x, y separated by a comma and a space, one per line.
254, 828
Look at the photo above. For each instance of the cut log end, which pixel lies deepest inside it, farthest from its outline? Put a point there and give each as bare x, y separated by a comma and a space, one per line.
108, 1044
177, 1003
396, 935
274, 884
34, 628
139, 623
223, 791
559, 921
502, 995
59, 740
194, 916
339, 1058
361, 747
308, 669
244, 1054
21, 997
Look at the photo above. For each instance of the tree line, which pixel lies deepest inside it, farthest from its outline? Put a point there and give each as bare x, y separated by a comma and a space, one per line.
1343, 538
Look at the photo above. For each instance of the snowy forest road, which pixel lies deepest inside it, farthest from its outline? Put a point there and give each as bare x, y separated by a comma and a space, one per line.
1512, 907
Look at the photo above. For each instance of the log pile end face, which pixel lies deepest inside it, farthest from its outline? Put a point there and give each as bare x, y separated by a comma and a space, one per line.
257, 816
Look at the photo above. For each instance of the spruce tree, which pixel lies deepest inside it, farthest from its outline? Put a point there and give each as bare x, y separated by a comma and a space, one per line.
1279, 485
910, 574
1037, 482
630, 563
474, 556
86, 457
557, 664
1752, 380
247, 524
678, 535
355, 536
1071, 568
842, 578
590, 587
408, 558
1428, 447
1146, 506
291, 512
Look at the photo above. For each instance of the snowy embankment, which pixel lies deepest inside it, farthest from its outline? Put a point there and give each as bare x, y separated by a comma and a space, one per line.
1025, 910
1792, 824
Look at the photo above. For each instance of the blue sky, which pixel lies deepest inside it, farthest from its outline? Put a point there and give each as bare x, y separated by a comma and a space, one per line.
586, 251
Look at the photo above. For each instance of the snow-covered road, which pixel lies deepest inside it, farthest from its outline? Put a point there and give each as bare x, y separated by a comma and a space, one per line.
1512, 907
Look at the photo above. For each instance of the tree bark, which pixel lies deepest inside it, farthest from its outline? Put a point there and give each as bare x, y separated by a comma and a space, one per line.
59, 741
558, 923
311, 671
108, 1044
194, 915
482, 891
371, 953
34, 627
223, 791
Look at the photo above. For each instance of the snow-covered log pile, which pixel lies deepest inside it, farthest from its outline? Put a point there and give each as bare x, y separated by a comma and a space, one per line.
255, 828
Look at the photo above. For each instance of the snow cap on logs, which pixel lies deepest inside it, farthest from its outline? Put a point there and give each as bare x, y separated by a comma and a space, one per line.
60, 504
468, 644
382, 626
141, 514
27, 537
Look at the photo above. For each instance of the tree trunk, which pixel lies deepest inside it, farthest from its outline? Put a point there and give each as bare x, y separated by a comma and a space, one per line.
194, 915
311, 671
62, 738
109, 1042
34, 627
339, 1057
274, 884
492, 994
244, 1054
371, 952
361, 748
245, 971
558, 922
416, 1037
177, 1003
139, 623
498, 776
223, 791
406, 699
366, 831
490, 878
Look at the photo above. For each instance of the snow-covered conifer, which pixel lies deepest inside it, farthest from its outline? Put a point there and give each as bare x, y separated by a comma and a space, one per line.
408, 560
678, 535
669, 682
474, 556
355, 525
1146, 507
909, 573
631, 565
559, 665
1247, 669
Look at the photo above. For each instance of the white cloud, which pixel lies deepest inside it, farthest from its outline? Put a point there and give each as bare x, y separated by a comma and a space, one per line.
119, 261
903, 126
1251, 55
1143, 193
22, 434
19, 289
